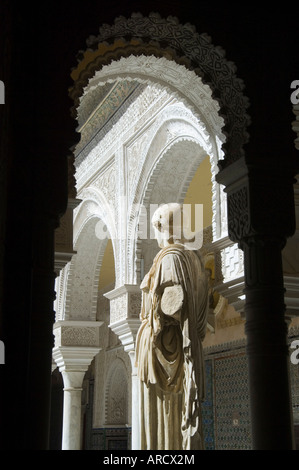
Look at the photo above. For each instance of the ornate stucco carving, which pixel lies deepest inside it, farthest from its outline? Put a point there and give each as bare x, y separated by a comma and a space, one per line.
238, 213
142, 150
116, 386
77, 334
148, 136
182, 44
134, 304
118, 308
61, 290
116, 396
125, 303
134, 154
175, 133
232, 263
225, 261
175, 123
79, 337
100, 148
105, 182
107, 102
175, 79
83, 274
169, 179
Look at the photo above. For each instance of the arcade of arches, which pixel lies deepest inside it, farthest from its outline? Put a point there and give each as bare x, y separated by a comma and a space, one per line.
150, 133
150, 111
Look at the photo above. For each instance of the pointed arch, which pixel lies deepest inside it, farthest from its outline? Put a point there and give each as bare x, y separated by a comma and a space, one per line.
78, 287
117, 394
168, 160
143, 37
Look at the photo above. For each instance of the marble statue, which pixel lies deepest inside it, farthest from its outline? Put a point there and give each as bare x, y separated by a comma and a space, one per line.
169, 356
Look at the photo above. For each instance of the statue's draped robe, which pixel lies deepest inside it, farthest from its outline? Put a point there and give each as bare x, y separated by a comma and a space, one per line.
169, 355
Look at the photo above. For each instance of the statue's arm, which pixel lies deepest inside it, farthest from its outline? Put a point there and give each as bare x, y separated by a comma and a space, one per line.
170, 290
172, 301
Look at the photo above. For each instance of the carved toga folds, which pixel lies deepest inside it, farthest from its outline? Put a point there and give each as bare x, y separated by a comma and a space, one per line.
169, 350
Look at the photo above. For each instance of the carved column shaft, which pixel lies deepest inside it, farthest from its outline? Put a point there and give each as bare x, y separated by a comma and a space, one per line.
135, 440
260, 217
267, 350
71, 433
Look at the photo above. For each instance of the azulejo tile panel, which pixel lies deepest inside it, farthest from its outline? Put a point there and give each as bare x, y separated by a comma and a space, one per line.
111, 439
226, 409
232, 403
208, 408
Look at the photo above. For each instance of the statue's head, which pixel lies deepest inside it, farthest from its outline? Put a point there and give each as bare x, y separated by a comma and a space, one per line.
171, 224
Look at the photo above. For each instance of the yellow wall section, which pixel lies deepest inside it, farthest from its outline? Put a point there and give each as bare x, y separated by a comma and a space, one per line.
199, 192
107, 272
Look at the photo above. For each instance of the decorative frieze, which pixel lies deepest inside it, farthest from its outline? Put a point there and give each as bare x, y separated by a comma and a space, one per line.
232, 263
125, 303
225, 261
252, 211
118, 308
134, 304
182, 45
117, 394
77, 333
175, 131
141, 111
93, 120
238, 213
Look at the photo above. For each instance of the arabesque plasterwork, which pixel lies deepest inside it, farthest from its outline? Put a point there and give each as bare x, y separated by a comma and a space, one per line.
161, 130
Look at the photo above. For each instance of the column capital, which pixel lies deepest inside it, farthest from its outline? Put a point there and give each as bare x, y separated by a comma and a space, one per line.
74, 358
124, 289
260, 199
126, 330
125, 306
76, 344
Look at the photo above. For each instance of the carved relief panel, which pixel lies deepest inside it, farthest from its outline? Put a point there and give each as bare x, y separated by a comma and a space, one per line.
116, 396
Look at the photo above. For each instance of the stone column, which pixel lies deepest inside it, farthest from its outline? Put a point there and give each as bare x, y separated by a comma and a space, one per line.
125, 303
260, 203
71, 431
267, 347
135, 440
77, 343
